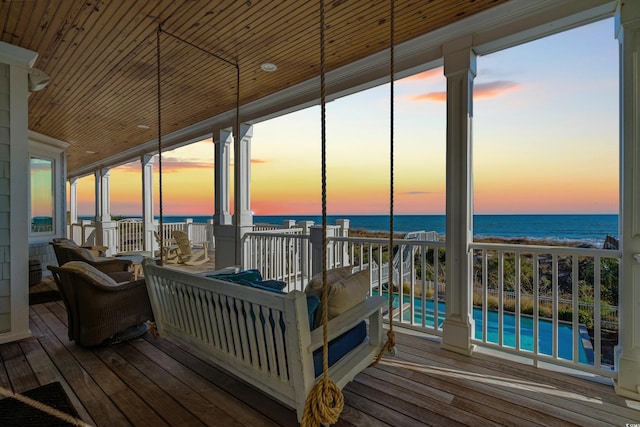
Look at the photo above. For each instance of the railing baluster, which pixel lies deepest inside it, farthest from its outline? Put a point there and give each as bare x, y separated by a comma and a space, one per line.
518, 261
597, 333
575, 314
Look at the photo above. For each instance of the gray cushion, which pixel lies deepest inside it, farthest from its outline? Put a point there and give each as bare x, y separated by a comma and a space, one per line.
91, 272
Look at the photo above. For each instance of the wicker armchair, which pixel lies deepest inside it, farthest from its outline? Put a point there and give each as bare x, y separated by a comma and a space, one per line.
99, 308
65, 253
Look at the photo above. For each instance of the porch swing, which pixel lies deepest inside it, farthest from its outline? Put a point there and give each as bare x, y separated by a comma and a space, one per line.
262, 335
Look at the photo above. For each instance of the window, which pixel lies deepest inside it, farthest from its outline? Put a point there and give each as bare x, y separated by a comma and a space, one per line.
42, 195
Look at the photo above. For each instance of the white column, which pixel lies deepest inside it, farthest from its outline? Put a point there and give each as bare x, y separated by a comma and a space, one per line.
222, 181
223, 229
242, 170
73, 200
460, 70
627, 353
106, 230
242, 216
147, 202
103, 194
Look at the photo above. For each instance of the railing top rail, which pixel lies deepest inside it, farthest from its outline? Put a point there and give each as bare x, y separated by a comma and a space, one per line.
385, 240
548, 250
269, 233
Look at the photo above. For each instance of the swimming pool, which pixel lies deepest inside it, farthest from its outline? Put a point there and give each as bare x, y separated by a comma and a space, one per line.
545, 330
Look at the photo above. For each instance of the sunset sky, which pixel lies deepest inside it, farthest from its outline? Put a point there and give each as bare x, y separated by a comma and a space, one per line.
545, 140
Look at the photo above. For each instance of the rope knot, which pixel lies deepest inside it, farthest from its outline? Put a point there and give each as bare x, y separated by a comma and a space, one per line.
324, 404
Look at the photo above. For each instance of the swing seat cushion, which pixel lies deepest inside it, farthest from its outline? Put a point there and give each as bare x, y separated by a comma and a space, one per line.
340, 346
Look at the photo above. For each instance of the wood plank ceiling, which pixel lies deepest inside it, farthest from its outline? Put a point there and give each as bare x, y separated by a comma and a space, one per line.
102, 57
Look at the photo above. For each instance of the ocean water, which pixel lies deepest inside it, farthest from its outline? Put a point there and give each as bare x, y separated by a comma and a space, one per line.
590, 229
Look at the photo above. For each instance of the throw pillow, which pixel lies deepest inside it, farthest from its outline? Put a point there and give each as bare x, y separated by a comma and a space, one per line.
344, 294
314, 287
348, 292
312, 305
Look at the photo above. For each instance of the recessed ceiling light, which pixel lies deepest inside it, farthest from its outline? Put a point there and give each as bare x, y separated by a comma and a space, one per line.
90, 152
268, 67
145, 127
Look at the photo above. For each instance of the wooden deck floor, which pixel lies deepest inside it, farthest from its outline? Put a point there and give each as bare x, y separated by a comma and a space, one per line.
155, 383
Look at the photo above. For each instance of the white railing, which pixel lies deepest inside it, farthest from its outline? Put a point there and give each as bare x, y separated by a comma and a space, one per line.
557, 299
129, 233
83, 232
527, 299
608, 316
282, 254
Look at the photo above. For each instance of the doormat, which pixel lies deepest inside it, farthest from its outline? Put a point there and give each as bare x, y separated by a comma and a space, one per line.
47, 405
43, 297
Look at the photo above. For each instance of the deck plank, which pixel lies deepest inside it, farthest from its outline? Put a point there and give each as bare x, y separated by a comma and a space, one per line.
97, 403
159, 400
19, 372
157, 382
565, 399
244, 414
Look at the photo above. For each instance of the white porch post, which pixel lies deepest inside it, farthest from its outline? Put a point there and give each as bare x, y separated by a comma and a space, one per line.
228, 234
628, 349
147, 202
222, 164
460, 70
242, 216
223, 229
73, 200
105, 228
242, 170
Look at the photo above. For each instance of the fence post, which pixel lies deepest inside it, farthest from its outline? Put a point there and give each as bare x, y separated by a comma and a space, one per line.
211, 234
305, 251
343, 232
188, 228
315, 236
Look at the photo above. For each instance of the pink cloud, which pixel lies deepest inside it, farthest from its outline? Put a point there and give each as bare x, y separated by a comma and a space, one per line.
433, 96
493, 89
425, 75
480, 91
172, 164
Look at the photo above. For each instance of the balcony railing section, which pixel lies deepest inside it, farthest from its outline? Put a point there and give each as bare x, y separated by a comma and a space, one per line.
279, 254
548, 303
129, 233
535, 300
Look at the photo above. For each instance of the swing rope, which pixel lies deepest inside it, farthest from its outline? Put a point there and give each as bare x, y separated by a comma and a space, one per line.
325, 400
159, 100
390, 345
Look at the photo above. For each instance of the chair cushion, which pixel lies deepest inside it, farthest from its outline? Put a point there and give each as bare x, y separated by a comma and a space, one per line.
84, 253
90, 272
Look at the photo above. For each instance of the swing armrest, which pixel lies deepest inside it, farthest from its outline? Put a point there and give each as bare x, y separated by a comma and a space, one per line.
369, 308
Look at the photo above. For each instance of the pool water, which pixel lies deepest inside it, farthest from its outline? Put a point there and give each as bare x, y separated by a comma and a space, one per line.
545, 330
